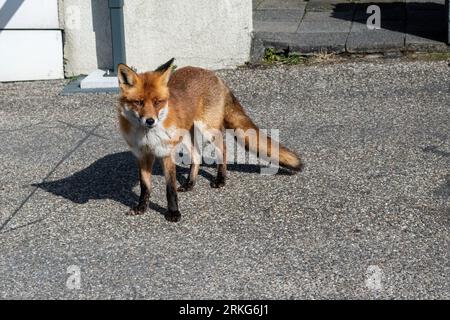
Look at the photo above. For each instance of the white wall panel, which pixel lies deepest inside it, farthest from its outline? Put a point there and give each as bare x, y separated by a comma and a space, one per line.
31, 55
29, 14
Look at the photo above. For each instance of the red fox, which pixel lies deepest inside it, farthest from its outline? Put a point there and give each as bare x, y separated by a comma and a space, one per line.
152, 105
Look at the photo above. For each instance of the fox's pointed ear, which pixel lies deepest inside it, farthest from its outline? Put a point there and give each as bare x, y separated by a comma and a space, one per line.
166, 70
127, 76
164, 67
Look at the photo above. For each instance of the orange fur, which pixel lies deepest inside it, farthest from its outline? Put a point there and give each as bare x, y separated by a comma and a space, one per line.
176, 101
194, 94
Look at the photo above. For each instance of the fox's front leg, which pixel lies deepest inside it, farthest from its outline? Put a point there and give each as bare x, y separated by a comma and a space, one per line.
173, 214
145, 179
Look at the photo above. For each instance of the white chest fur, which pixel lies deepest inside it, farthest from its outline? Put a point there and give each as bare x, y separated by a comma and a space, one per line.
142, 140
156, 141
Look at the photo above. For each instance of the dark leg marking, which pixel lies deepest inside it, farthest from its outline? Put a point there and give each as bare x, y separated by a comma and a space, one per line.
192, 178
220, 179
173, 214
145, 175
144, 200
221, 168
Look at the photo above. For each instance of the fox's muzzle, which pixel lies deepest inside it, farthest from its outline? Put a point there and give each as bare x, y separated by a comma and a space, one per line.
150, 122
147, 122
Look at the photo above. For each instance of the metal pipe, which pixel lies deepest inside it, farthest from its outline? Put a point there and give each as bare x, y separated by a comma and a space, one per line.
117, 32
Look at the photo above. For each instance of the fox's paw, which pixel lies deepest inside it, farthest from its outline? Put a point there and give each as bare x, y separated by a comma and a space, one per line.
219, 182
173, 216
136, 211
188, 186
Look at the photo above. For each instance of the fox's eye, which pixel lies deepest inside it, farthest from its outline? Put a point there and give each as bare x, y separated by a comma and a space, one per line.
157, 102
139, 103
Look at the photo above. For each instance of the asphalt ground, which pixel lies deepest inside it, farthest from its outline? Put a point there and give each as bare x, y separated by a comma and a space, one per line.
367, 218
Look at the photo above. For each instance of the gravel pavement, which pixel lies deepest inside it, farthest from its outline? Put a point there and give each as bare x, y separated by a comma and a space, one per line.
367, 218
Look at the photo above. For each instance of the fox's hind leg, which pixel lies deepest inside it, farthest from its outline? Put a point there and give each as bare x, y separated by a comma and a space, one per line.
214, 134
145, 177
221, 163
195, 166
189, 184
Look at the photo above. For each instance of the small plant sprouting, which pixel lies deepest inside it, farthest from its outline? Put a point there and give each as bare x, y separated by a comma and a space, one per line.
281, 57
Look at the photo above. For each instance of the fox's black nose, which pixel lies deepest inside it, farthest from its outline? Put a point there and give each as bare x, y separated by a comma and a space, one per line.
150, 122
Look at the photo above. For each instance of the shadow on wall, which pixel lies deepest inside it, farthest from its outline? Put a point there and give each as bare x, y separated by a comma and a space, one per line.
427, 20
101, 23
8, 10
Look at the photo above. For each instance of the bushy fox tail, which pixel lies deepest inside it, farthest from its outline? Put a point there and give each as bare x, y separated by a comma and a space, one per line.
236, 118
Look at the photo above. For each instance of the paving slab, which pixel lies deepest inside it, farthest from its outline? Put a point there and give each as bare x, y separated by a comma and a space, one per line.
426, 21
425, 5
275, 26
442, 2
386, 25
330, 5
388, 11
325, 22
425, 14
278, 15
256, 3
315, 42
281, 4
427, 41
390, 37
276, 20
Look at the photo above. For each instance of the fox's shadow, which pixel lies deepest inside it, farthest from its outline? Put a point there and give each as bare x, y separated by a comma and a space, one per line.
111, 177
114, 177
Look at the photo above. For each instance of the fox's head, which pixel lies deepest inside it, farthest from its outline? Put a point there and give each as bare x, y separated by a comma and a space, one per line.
144, 96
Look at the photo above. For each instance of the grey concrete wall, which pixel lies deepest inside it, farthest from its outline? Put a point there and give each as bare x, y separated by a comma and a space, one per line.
212, 34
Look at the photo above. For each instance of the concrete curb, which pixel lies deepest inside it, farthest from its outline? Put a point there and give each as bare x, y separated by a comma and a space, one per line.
340, 27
